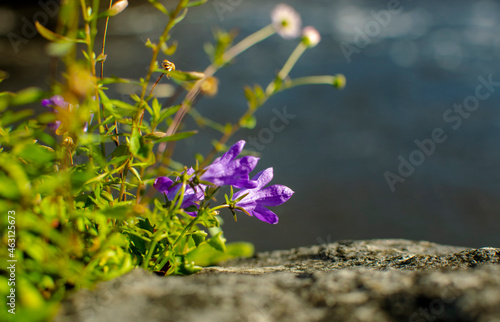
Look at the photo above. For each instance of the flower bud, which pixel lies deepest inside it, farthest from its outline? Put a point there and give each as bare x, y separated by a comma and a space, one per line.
339, 81
310, 36
68, 142
118, 7
210, 86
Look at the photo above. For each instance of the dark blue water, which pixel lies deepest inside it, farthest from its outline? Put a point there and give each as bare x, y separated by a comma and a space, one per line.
417, 63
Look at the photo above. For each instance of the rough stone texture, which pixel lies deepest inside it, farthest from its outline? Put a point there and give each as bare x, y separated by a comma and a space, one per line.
373, 280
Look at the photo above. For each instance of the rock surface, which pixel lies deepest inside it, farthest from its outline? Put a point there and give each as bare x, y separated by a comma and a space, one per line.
373, 280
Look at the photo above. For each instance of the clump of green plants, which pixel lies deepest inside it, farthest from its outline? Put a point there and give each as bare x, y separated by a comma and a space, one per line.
89, 187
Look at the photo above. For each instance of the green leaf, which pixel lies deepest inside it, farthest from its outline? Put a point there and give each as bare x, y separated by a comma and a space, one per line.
78, 179
205, 255
159, 6
139, 147
115, 80
117, 212
170, 50
181, 76
199, 237
175, 137
168, 112
250, 96
120, 150
8, 188
156, 108
97, 178
259, 92
135, 173
107, 196
195, 3
27, 96
181, 17
37, 155
218, 242
124, 105
248, 122
52, 36
10, 117
146, 225
5, 99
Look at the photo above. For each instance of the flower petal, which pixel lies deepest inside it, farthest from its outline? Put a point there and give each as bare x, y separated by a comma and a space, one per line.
233, 173
232, 153
264, 177
273, 195
242, 183
265, 215
162, 184
286, 21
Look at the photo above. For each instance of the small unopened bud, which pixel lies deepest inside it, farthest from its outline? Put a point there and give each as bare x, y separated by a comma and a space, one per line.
68, 142
339, 81
310, 36
210, 86
118, 7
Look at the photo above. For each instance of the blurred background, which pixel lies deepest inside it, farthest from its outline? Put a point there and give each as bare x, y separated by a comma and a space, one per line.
405, 71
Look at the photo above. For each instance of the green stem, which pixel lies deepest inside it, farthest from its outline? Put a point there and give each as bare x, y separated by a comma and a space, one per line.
137, 234
309, 80
249, 41
232, 52
299, 50
151, 249
156, 51
219, 207
183, 233
283, 73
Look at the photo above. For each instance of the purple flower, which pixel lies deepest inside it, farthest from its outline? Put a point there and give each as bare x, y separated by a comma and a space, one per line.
164, 185
227, 170
258, 198
54, 104
51, 104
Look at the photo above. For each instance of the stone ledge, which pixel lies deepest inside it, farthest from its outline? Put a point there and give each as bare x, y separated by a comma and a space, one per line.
372, 280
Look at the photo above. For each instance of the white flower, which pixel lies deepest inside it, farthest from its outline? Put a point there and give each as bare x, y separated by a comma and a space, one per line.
310, 36
286, 21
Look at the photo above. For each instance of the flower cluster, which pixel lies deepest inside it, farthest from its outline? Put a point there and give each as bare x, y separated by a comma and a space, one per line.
229, 170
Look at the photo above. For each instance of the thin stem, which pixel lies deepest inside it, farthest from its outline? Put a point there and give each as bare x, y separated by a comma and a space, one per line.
232, 52
249, 41
310, 80
151, 249
139, 188
156, 83
104, 40
183, 233
283, 73
299, 50
220, 207
156, 51
124, 178
115, 138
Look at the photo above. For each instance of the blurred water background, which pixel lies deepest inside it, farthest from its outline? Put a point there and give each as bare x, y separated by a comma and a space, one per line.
414, 67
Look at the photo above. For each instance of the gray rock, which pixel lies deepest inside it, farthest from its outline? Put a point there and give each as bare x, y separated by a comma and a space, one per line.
373, 280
